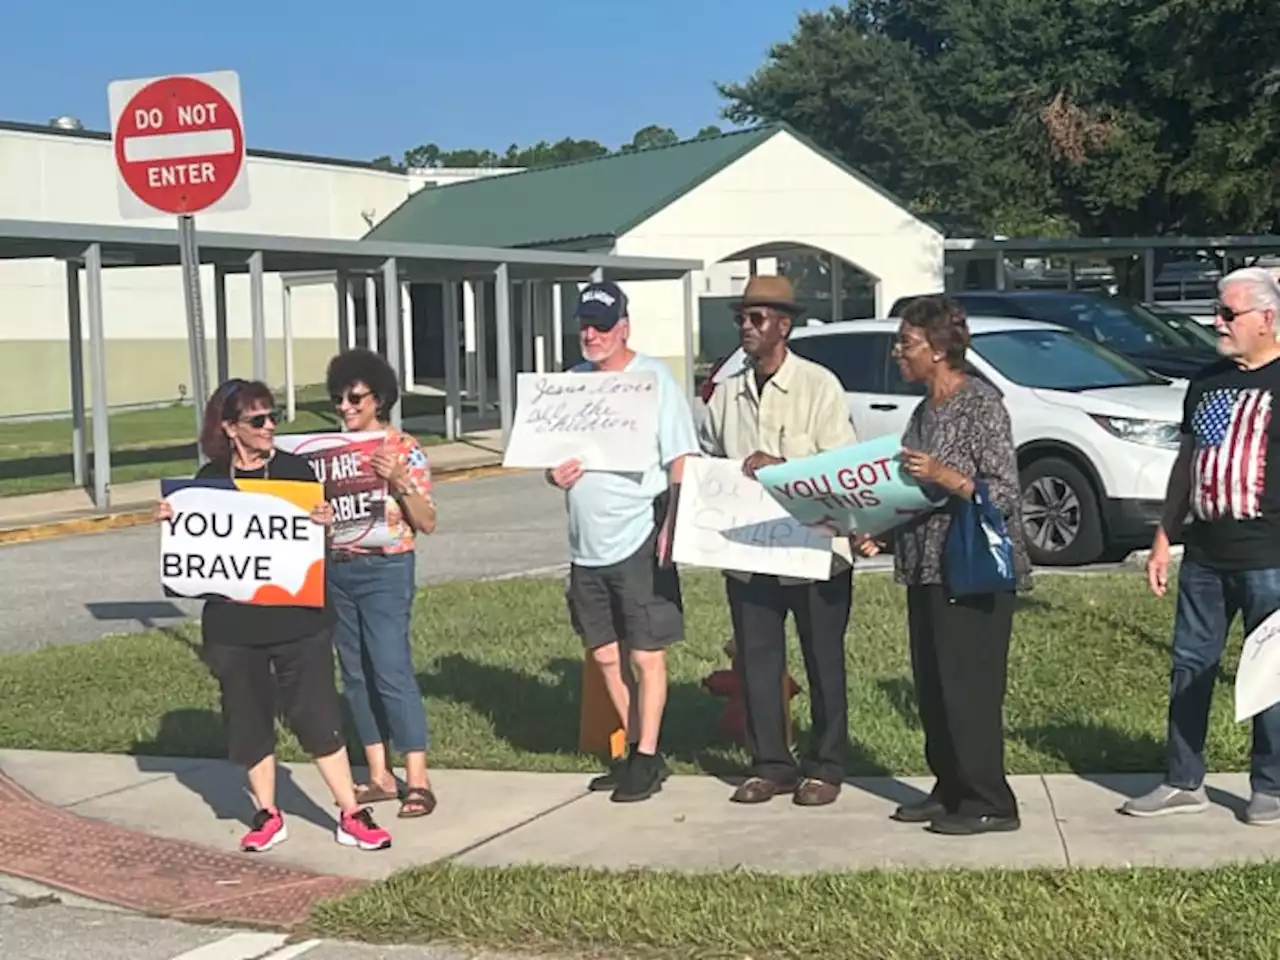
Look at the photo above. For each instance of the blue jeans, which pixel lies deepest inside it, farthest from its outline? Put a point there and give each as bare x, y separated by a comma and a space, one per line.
373, 597
1208, 601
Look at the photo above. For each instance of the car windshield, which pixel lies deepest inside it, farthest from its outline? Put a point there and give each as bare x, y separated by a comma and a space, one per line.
1185, 325
1118, 326
1058, 360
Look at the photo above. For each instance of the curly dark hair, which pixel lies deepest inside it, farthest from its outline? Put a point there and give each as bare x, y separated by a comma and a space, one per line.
227, 404
364, 366
943, 323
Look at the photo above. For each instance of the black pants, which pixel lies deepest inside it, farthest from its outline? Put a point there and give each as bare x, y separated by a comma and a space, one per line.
293, 679
759, 610
959, 657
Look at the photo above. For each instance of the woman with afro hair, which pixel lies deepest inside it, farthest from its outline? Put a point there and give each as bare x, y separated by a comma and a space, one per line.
372, 591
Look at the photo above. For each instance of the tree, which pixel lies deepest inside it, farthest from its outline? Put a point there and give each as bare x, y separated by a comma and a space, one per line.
1041, 116
651, 136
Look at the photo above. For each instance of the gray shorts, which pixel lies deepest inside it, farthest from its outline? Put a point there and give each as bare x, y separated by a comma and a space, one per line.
635, 602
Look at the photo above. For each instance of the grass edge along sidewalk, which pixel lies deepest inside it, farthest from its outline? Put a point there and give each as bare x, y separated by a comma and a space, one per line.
907, 914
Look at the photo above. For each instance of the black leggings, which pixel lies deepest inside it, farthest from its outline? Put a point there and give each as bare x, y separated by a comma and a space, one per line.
294, 678
959, 657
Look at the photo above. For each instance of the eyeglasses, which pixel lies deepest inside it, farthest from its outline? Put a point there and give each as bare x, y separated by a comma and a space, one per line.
351, 396
259, 420
1228, 315
757, 318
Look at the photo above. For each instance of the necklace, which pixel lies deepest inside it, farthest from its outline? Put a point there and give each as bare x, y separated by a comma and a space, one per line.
266, 467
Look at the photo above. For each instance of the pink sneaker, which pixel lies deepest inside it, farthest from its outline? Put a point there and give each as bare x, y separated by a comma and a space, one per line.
358, 830
268, 830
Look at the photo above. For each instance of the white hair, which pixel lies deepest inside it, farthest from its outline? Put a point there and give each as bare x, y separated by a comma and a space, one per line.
1264, 291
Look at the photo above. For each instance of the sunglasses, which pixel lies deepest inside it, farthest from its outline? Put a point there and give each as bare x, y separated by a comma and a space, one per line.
351, 396
756, 318
1228, 315
259, 420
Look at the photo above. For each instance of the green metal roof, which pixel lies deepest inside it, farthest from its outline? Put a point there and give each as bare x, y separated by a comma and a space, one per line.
584, 200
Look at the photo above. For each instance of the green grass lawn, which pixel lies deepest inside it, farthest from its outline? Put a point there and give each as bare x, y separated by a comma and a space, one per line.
35, 456
872, 915
499, 669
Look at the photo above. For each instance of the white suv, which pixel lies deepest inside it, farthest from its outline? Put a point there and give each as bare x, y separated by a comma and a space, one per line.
1096, 434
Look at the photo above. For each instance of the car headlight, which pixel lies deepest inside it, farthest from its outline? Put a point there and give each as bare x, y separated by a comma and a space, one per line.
1149, 433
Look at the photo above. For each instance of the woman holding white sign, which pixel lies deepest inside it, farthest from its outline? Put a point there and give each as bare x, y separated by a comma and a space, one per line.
373, 589
270, 659
959, 446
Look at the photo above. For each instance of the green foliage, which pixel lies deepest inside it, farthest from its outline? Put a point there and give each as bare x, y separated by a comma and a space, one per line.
1042, 116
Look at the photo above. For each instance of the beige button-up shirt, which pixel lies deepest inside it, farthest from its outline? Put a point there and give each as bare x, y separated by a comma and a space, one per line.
800, 412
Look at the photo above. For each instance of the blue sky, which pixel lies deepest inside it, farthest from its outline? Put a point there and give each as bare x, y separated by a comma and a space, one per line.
359, 80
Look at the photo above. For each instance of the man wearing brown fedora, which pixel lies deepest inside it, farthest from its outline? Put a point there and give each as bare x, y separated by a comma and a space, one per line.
781, 406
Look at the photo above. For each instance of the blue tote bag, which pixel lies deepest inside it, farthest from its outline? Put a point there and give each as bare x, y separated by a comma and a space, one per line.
978, 556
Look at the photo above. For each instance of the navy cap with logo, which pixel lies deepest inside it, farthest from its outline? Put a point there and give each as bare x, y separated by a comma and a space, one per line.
601, 304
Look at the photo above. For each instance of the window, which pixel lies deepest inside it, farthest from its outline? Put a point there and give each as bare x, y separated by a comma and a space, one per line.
1058, 360
858, 359
1107, 322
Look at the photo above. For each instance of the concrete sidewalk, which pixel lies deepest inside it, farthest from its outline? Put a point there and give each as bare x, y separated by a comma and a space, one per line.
490, 818
63, 512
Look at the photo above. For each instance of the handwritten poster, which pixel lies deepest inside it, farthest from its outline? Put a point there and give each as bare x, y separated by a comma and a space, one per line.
1258, 676
728, 521
252, 541
857, 489
359, 496
606, 420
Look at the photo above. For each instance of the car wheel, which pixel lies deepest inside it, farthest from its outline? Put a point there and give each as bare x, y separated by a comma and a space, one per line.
1060, 518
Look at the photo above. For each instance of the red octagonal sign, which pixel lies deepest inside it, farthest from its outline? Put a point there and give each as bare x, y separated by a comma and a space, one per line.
179, 144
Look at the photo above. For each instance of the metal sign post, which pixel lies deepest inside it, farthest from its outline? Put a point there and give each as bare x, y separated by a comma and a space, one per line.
189, 252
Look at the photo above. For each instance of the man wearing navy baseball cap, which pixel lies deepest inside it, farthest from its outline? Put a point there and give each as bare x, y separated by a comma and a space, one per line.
624, 593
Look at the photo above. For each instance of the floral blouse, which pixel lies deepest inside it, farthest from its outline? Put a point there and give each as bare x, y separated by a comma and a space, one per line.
970, 432
413, 456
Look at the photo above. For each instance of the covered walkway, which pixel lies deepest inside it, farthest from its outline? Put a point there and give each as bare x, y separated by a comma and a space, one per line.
88, 249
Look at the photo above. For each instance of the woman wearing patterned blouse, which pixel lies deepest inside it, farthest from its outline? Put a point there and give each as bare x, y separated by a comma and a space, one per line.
372, 591
959, 647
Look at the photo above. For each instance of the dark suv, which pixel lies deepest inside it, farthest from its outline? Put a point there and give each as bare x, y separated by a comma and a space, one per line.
1173, 348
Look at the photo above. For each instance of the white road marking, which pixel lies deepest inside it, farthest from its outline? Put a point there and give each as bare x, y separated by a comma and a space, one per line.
238, 946
293, 950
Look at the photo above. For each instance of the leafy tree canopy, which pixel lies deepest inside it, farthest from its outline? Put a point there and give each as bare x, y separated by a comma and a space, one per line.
1043, 117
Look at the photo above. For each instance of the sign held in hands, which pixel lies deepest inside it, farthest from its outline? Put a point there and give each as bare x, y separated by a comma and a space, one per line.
728, 521
359, 496
862, 488
251, 541
1258, 675
605, 420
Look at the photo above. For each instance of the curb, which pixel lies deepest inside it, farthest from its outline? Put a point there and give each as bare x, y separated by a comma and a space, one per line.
123, 519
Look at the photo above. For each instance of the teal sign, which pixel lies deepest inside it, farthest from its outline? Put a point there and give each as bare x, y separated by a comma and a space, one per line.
857, 489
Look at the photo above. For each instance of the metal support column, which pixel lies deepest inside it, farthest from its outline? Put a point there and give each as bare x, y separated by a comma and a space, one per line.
506, 379
222, 346
1148, 274
837, 288
345, 335
452, 393
1000, 278
197, 345
286, 325
395, 329
484, 305
527, 291
469, 301
98, 372
689, 307
597, 275
75, 345
557, 327
405, 319
257, 317
371, 313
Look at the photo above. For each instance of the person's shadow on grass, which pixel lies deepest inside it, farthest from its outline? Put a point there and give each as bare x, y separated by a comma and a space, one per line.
185, 743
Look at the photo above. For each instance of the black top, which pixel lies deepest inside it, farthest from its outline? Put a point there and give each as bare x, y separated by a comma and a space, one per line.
970, 432
245, 624
1235, 483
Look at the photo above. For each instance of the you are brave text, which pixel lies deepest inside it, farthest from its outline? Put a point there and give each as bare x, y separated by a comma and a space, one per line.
238, 565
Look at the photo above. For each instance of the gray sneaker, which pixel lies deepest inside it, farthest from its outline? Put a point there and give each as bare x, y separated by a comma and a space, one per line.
1263, 810
1164, 800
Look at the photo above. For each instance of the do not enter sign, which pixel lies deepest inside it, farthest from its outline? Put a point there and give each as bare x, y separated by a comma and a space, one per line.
179, 144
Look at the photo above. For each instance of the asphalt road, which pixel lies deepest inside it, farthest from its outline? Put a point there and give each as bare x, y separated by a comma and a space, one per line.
40, 924
80, 588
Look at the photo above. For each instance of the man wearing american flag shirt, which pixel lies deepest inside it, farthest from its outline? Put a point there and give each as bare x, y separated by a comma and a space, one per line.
1227, 478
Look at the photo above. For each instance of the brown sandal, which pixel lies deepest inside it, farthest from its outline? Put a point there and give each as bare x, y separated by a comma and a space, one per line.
372, 793
418, 802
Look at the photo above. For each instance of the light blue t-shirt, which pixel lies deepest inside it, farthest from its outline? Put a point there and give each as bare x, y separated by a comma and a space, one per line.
611, 514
